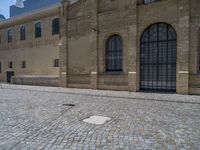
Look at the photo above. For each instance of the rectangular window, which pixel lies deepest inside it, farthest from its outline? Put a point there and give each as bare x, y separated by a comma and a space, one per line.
10, 36
55, 26
23, 64
10, 65
38, 30
56, 62
23, 33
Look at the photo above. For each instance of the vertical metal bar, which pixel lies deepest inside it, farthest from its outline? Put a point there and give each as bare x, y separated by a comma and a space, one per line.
167, 63
157, 61
148, 56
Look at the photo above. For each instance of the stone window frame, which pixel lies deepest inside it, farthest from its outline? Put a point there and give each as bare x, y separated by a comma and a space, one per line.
105, 49
9, 35
20, 32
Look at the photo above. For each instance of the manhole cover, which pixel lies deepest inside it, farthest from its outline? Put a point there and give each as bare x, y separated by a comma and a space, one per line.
71, 105
99, 120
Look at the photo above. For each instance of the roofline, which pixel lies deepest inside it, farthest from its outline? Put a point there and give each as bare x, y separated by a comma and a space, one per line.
30, 15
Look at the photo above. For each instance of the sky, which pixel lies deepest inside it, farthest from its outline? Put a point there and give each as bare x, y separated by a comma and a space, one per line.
4, 7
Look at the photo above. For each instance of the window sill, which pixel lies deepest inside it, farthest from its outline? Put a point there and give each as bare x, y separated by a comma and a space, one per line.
149, 3
38, 37
113, 73
56, 34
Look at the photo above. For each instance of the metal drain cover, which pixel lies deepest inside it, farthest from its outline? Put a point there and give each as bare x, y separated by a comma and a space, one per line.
70, 105
98, 120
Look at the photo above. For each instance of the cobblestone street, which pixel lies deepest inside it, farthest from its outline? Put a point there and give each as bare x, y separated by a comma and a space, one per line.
38, 118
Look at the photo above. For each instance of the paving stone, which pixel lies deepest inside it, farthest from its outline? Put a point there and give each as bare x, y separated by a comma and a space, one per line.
35, 118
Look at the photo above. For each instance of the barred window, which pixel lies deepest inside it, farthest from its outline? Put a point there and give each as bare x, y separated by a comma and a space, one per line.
158, 58
10, 35
38, 30
55, 26
56, 62
114, 50
23, 64
23, 33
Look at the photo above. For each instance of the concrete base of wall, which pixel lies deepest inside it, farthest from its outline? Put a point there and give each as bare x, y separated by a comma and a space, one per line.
36, 80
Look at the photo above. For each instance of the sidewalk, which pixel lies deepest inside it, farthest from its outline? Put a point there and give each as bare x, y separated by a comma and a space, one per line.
165, 97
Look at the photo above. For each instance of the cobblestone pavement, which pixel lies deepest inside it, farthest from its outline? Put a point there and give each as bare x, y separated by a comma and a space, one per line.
35, 118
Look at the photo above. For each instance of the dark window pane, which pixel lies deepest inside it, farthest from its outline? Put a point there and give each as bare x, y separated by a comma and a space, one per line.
55, 26
22, 33
10, 36
153, 33
23, 64
10, 65
145, 36
56, 63
171, 34
162, 30
38, 30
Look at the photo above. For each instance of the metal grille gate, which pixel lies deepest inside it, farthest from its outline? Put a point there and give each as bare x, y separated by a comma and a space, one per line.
158, 58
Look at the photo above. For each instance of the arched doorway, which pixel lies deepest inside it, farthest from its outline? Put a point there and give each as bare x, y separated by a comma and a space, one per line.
158, 50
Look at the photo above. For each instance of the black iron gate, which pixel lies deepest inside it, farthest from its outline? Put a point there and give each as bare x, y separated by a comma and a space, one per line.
158, 58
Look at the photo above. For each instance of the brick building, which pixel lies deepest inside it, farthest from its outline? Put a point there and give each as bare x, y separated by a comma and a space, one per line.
133, 45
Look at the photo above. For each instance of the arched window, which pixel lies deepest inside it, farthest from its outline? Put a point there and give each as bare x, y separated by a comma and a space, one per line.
38, 30
23, 33
158, 51
114, 52
55, 26
10, 35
